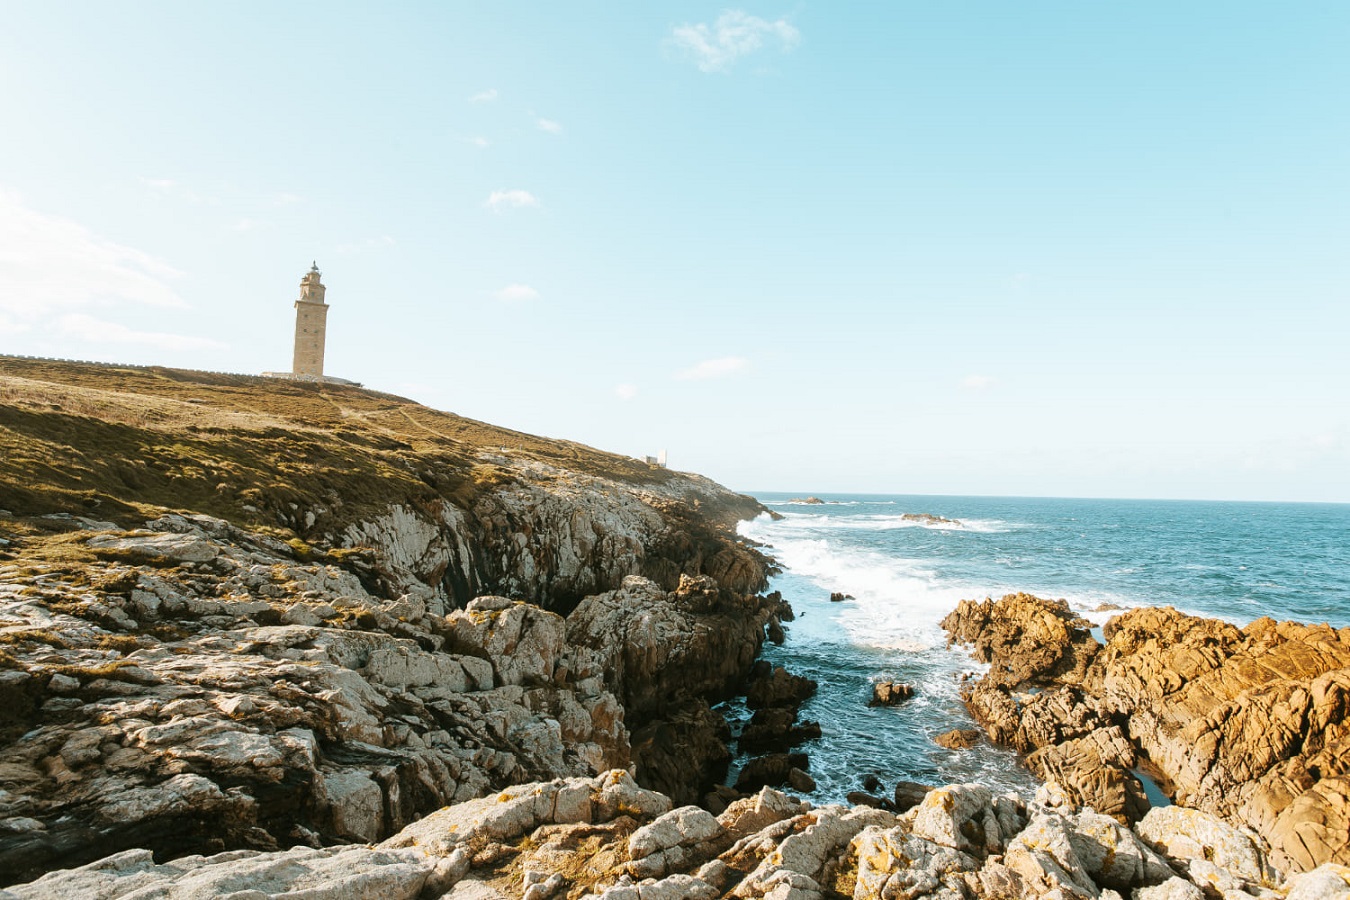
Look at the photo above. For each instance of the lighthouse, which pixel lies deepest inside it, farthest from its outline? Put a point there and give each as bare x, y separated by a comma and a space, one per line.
311, 323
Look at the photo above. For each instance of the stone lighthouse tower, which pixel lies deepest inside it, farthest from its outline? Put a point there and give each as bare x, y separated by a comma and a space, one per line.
311, 322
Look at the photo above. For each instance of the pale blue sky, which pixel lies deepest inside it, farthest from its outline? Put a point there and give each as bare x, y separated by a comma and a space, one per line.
1035, 248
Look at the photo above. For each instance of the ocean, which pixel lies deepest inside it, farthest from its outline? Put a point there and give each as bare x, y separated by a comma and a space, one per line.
1236, 561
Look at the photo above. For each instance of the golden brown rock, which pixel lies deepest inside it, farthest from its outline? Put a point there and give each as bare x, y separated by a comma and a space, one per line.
1246, 723
1024, 638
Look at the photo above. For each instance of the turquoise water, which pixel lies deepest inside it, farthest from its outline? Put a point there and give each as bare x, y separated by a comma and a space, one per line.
1238, 561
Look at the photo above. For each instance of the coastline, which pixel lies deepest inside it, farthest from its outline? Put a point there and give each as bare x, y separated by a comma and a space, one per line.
319, 708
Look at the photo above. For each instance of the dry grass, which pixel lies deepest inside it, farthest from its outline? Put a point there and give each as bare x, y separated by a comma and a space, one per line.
34, 636
124, 444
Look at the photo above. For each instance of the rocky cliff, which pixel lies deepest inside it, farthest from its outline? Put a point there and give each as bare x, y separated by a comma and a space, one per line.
605, 838
1246, 723
240, 613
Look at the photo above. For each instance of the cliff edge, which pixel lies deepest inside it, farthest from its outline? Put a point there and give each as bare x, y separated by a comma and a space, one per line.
238, 613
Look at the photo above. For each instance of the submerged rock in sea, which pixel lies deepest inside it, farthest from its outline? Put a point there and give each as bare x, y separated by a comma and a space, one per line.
1246, 723
775, 686
606, 837
890, 693
775, 728
958, 738
928, 519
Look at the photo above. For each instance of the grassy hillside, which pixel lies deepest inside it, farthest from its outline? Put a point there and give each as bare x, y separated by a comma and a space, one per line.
124, 443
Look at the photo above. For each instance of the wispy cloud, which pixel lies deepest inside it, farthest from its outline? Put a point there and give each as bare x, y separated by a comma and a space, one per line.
517, 293
486, 96
550, 126
978, 382
169, 187
514, 199
87, 328
714, 368
49, 264
479, 141
736, 33
625, 391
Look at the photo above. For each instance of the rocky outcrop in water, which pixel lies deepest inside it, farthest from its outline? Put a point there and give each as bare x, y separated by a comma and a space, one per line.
890, 693
1246, 723
928, 519
606, 838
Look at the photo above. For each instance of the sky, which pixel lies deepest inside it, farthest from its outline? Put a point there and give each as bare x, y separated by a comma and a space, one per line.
984, 248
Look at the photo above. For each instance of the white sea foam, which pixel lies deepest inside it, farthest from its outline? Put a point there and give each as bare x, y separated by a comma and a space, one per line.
830, 503
898, 602
892, 522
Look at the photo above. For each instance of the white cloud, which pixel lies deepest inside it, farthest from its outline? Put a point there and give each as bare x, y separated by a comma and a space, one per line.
517, 293
515, 199
479, 141
736, 33
50, 264
714, 368
87, 328
977, 382
486, 96
285, 198
625, 391
550, 126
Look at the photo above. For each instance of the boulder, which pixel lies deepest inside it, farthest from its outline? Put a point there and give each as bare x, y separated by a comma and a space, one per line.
336, 873
894, 863
958, 739
1094, 770
683, 827
969, 818
772, 770
1024, 638
1173, 888
1182, 834
1329, 881
890, 693
522, 642
800, 781
156, 547
775, 686
1111, 854
775, 728
909, 794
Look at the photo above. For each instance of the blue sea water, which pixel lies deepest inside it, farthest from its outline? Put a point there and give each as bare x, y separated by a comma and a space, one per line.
1236, 561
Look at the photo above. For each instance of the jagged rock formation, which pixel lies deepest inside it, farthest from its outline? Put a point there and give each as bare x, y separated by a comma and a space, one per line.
194, 688
605, 838
1246, 723
393, 610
